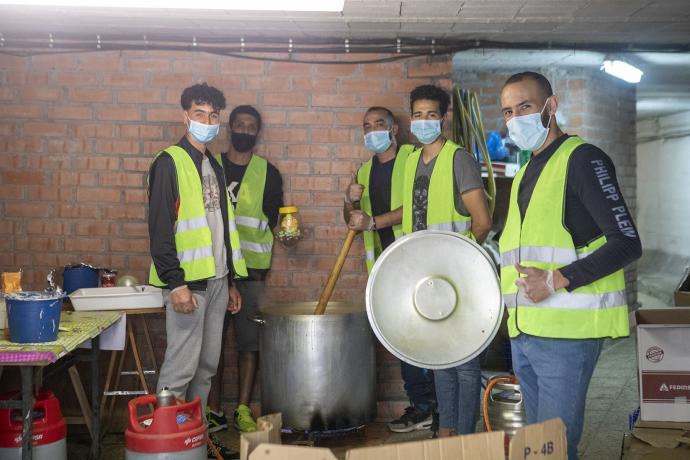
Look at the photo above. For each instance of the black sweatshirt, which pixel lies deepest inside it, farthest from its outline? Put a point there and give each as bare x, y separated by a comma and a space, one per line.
164, 201
594, 206
272, 199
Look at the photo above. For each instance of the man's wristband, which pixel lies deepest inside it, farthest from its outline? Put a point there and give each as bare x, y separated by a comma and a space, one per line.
372, 224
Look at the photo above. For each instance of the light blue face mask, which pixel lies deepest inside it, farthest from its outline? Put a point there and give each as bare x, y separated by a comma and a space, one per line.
426, 131
202, 132
378, 141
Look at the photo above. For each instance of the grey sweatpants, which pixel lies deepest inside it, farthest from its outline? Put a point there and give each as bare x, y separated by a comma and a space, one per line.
194, 341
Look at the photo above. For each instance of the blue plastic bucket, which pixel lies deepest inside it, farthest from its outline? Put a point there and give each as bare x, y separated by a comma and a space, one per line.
79, 276
33, 320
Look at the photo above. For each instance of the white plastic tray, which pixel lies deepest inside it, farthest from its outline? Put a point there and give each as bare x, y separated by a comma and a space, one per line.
116, 298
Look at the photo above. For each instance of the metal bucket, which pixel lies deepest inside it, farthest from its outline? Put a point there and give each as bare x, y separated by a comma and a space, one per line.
319, 371
505, 407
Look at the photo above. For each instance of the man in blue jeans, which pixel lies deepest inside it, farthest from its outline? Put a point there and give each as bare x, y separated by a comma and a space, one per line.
567, 237
443, 190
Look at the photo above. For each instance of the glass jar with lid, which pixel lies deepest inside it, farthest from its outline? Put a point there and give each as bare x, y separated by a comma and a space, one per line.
288, 230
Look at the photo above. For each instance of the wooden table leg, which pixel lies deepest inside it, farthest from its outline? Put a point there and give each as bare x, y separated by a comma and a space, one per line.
81, 397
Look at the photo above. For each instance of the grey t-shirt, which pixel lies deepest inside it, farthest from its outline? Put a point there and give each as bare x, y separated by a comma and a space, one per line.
468, 176
214, 216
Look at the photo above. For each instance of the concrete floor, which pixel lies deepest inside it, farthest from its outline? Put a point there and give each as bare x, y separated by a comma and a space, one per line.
612, 396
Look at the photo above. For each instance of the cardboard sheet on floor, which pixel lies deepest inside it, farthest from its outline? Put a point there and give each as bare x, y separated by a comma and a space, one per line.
267, 431
544, 441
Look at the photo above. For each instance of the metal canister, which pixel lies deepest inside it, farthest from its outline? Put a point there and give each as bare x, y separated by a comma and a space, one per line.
165, 397
506, 409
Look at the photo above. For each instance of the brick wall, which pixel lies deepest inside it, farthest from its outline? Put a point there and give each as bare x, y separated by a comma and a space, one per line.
78, 132
596, 106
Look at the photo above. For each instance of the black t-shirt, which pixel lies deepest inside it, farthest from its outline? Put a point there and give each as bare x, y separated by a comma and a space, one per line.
272, 201
594, 206
380, 180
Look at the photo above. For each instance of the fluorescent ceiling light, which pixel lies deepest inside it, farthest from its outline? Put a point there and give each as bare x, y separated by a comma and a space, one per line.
622, 70
250, 5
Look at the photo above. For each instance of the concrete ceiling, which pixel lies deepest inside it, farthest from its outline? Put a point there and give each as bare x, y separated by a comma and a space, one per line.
386, 26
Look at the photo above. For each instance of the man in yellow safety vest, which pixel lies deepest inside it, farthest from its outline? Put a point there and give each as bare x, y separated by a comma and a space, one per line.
567, 237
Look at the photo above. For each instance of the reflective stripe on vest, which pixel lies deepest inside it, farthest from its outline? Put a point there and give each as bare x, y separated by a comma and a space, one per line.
193, 241
441, 213
372, 242
542, 241
255, 235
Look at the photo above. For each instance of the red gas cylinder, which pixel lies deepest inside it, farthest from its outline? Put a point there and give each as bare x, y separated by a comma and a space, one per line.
174, 431
48, 435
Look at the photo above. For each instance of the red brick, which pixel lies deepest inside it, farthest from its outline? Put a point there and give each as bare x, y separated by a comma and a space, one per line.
308, 151
45, 129
136, 196
289, 167
32, 79
53, 61
11, 192
94, 130
242, 67
74, 78
123, 79
267, 84
311, 183
337, 70
119, 147
24, 209
103, 61
129, 245
82, 244
272, 117
72, 113
223, 83
136, 164
122, 179
53, 160
289, 69
299, 198
165, 115
172, 80
310, 118
119, 113
21, 111
46, 193
350, 118
41, 94
290, 135
196, 66
320, 85
21, 177
368, 85
334, 100
90, 95
139, 96
385, 70
429, 67
405, 85
390, 101
7, 227
123, 212
105, 163
285, 99
337, 167
7, 94
80, 211
135, 229
140, 132
38, 244
99, 195
53, 227
148, 65
341, 135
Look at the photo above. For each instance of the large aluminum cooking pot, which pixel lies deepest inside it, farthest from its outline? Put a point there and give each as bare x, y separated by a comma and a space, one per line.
434, 299
318, 370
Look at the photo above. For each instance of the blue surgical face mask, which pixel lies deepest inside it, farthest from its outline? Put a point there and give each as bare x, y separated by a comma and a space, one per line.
378, 141
527, 131
202, 132
426, 131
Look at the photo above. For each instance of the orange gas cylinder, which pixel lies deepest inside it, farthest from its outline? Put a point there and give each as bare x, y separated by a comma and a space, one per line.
171, 431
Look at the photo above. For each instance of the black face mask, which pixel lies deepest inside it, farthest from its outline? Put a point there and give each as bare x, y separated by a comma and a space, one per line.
243, 142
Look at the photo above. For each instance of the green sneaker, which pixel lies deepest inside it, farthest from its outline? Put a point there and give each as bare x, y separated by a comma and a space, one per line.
244, 422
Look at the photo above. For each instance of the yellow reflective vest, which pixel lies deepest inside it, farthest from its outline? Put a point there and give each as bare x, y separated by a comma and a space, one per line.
441, 213
372, 242
256, 238
192, 233
541, 240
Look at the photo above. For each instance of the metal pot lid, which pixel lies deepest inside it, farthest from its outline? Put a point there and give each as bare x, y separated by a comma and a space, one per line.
434, 299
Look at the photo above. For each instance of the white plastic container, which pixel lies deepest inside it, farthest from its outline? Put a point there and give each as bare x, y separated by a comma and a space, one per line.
116, 298
3, 313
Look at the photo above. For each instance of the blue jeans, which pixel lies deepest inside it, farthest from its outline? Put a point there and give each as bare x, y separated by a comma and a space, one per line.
419, 386
458, 394
554, 375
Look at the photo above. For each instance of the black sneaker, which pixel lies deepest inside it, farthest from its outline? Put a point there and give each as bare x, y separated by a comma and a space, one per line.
224, 452
413, 419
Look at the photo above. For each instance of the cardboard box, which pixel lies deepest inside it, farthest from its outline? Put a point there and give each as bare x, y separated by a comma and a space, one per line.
543, 441
663, 361
657, 441
681, 296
